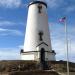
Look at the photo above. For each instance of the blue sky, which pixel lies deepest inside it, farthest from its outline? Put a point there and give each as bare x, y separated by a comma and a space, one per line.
13, 17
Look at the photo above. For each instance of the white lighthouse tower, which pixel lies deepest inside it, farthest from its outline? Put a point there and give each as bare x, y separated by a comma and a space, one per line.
37, 42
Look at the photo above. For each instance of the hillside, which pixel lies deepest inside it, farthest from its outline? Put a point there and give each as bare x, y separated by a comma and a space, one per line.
23, 66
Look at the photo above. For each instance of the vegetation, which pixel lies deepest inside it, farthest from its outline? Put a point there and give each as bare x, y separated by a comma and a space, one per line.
18, 66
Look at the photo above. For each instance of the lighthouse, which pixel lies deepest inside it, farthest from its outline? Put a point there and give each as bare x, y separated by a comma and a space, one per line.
37, 43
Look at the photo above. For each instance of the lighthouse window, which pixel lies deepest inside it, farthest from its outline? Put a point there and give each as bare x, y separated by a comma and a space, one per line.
41, 36
39, 8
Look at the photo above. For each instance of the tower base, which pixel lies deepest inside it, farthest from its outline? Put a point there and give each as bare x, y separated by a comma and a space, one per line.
36, 55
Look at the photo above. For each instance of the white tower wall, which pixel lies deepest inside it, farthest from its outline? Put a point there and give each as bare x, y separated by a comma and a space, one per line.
37, 22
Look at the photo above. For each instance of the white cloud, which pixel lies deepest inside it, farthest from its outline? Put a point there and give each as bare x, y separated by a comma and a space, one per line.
2, 30
6, 32
58, 41
6, 23
17, 32
9, 54
9, 23
21, 46
10, 3
59, 46
70, 8
54, 3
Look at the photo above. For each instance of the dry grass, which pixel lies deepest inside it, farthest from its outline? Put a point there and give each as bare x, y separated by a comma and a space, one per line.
18, 65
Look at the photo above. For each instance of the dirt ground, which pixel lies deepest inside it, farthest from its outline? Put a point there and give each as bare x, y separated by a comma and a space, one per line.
4, 73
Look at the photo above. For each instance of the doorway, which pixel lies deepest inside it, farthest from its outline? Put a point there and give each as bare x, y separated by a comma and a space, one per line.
42, 54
